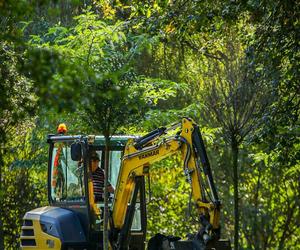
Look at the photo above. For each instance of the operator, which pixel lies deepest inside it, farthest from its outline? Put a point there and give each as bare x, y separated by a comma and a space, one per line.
98, 178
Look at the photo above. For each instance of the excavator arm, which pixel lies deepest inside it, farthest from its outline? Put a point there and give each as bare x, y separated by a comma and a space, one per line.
155, 146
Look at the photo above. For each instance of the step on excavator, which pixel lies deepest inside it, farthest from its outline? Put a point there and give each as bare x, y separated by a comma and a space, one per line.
74, 218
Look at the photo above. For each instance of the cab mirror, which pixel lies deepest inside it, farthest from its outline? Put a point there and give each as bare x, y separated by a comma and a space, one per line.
76, 152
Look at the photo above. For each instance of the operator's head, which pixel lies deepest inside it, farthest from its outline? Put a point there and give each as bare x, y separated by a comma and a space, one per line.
94, 161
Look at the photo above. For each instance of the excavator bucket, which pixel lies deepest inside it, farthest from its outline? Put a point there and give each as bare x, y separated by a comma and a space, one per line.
196, 245
164, 242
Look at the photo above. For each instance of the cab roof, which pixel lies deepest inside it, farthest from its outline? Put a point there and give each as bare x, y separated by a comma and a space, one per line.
95, 140
118, 140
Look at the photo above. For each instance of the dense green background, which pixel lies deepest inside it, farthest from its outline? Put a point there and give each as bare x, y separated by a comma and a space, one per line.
130, 66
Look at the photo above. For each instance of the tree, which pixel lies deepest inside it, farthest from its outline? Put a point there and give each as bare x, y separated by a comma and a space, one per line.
276, 51
24, 178
16, 102
100, 57
235, 101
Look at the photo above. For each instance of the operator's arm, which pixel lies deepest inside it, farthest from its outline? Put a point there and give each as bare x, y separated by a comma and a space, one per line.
110, 189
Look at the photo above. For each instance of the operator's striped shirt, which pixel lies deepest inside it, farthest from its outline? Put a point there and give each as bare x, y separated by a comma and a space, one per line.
98, 184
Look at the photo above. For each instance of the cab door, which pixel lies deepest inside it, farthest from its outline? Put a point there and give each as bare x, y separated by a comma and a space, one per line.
66, 181
137, 227
136, 218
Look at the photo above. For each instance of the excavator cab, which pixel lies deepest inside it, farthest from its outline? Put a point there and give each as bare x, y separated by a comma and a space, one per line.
73, 219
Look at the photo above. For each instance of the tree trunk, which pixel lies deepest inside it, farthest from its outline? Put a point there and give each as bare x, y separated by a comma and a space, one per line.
235, 152
1, 235
285, 228
106, 212
1, 214
256, 230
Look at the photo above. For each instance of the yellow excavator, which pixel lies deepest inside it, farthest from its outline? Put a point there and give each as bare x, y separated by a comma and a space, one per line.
74, 219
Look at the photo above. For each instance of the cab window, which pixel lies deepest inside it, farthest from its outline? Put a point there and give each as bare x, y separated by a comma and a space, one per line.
114, 166
115, 157
67, 176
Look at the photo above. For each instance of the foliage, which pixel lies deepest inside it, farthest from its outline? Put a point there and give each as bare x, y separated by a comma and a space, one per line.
169, 211
16, 102
24, 179
25, 191
142, 65
16, 98
99, 70
268, 202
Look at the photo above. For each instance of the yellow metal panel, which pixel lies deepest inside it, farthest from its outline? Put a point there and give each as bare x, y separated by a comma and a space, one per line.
42, 240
